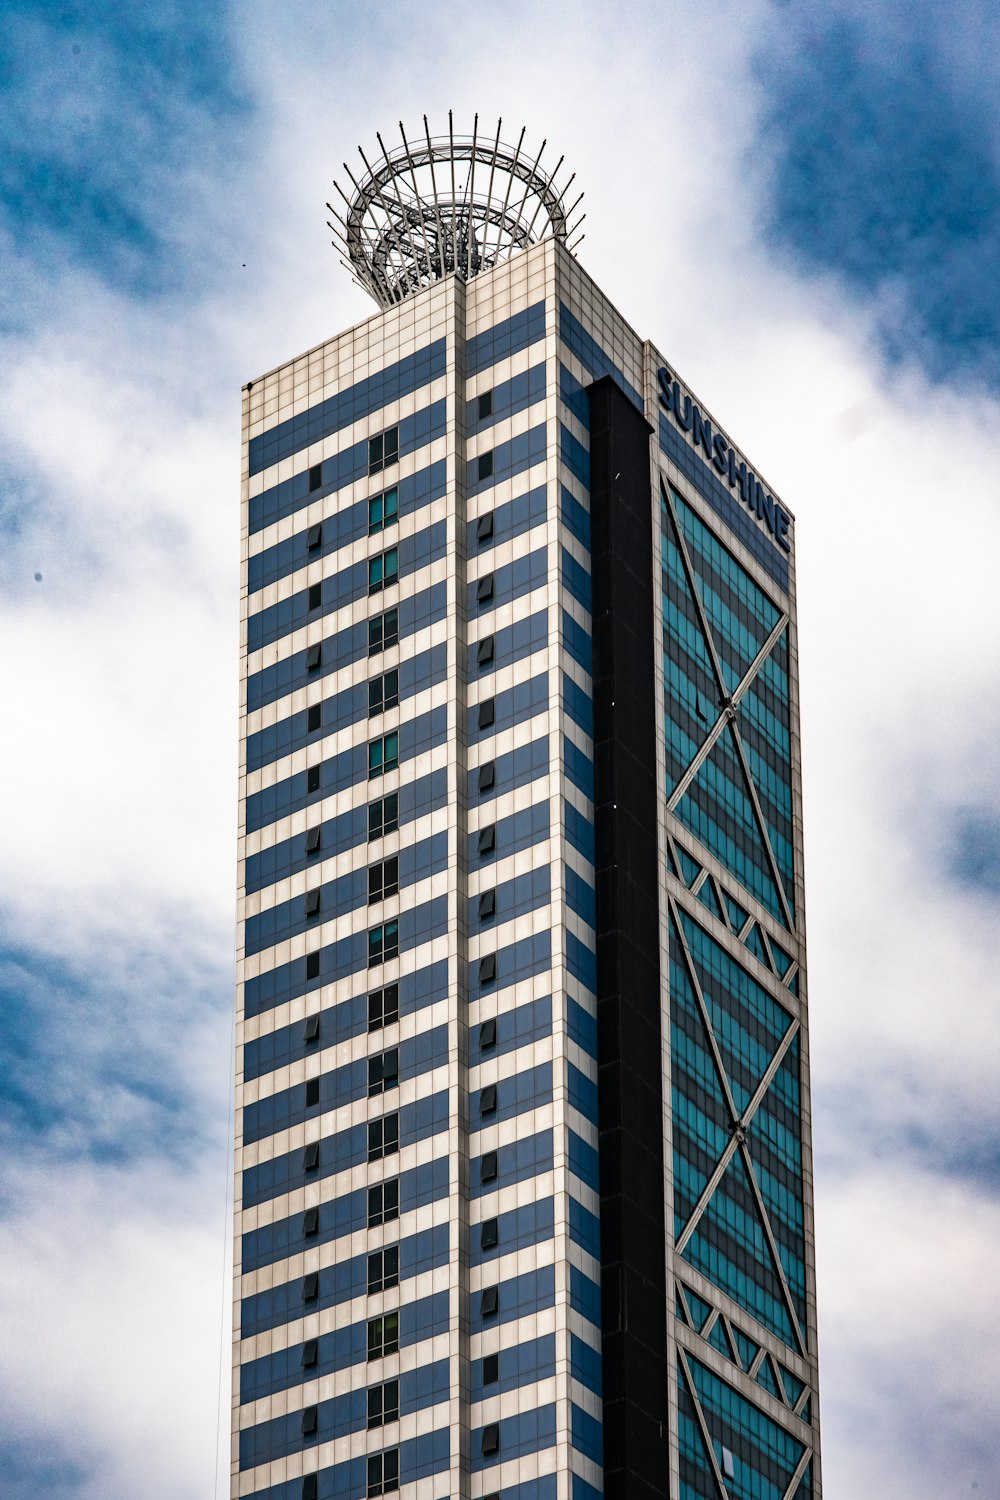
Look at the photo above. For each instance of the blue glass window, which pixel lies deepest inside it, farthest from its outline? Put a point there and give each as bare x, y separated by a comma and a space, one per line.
383, 450
383, 569
383, 943
383, 754
383, 510
383, 631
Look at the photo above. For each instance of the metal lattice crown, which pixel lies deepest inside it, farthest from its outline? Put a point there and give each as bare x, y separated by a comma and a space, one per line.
447, 205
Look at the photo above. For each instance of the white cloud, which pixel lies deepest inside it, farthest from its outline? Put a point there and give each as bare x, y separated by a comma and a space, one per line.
908, 1297
111, 1285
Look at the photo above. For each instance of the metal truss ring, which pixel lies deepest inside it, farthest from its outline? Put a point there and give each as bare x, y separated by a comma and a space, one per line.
419, 214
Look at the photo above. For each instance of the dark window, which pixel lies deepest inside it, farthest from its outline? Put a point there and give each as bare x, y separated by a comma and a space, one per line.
383, 692
383, 569
487, 776
310, 1222
312, 1027
383, 1203
383, 879
383, 510
383, 631
313, 839
383, 942
491, 1437
310, 1415
485, 465
487, 905
312, 779
383, 1137
485, 405
383, 815
310, 1353
383, 1071
383, 1269
487, 968
310, 1286
314, 717
383, 754
310, 1156
489, 1301
491, 1369
484, 527
314, 656
484, 589
487, 713
383, 1403
314, 537
383, 450
383, 1007
312, 965
484, 651
315, 477
312, 1092
487, 839
488, 1167
315, 595
313, 899
488, 1234
383, 1473
488, 1034
488, 1099
310, 1487
383, 1336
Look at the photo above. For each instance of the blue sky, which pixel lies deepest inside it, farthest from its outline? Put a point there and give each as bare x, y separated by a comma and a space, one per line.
885, 172
799, 204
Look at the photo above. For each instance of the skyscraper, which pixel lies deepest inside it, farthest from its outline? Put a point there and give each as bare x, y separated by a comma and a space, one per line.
523, 1171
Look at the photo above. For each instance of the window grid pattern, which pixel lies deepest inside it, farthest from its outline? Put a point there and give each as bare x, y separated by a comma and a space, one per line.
381, 810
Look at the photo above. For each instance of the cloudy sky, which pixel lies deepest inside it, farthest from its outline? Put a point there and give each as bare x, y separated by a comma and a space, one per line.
800, 203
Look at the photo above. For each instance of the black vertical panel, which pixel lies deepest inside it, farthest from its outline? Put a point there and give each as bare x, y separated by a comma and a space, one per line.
630, 1102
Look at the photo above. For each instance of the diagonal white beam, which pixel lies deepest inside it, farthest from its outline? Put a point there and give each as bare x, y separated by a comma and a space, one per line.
727, 1155
706, 1436
758, 813
723, 719
689, 574
729, 717
772, 1245
797, 1477
713, 1044
739, 1123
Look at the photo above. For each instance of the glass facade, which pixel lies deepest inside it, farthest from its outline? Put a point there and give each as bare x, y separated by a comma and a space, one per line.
738, 1093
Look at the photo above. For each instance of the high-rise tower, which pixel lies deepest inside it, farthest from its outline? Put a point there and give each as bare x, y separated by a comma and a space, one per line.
523, 1172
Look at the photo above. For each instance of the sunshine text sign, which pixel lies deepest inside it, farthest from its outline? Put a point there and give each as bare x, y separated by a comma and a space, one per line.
721, 454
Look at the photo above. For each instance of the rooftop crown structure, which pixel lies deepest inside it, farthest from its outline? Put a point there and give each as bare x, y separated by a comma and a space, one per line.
523, 1158
447, 205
